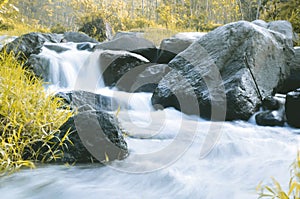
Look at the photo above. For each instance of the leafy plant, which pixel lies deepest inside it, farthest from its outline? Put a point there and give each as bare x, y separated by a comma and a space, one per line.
29, 119
277, 192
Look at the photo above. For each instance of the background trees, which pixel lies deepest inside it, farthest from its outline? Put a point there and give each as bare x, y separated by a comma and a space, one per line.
198, 15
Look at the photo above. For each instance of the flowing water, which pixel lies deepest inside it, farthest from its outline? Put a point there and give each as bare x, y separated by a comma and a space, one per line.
172, 155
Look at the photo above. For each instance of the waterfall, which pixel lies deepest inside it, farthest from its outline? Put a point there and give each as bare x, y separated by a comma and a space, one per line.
72, 68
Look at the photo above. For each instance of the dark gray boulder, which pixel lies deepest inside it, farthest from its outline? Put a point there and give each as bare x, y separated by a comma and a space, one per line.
170, 47
30, 43
270, 118
98, 102
292, 108
228, 72
77, 37
274, 111
270, 103
115, 64
95, 135
39, 65
293, 81
132, 44
143, 78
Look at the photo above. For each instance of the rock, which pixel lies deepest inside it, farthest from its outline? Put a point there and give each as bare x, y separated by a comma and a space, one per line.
4, 39
77, 37
30, 43
170, 47
39, 65
143, 78
292, 108
283, 27
94, 134
126, 33
260, 23
270, 118
84, 46
270, 103
293, 81
98, 102
274, 111
225, 72
133, 44
56, 48
115, 64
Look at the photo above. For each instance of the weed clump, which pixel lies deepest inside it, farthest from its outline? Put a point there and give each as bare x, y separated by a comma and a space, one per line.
276, 191
29, 119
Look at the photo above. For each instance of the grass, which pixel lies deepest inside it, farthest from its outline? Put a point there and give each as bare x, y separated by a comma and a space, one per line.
276, 190
156, 35
21, 29
29, 119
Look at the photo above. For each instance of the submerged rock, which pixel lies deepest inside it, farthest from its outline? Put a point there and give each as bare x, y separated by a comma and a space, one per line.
292, 108
227, 72
270, 118
274, 111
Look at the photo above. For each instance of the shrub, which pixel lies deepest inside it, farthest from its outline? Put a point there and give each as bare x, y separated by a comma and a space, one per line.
29, 119
58, 28
94, 27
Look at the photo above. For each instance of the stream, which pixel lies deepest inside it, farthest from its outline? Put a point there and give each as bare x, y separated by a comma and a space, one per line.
172, 155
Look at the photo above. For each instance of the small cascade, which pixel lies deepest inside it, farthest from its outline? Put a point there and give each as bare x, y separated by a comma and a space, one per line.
66, 64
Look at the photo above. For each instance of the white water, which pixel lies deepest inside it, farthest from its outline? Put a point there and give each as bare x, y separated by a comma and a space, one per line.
165, 154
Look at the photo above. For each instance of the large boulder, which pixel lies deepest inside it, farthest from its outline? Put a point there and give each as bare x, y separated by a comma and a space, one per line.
30, 43
115, 64
93, 135
293, 81
292, 108
170, 47
132, 44
227, 72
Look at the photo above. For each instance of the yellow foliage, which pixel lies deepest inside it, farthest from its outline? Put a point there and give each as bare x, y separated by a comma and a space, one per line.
277, 192
29, 118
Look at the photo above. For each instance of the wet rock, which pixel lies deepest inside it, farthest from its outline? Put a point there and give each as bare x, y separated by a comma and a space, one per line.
115, 64
270, 118
292, 108
81, 99
270, 103
30, 43
84, 46
143, 78
132, 44
224, 72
